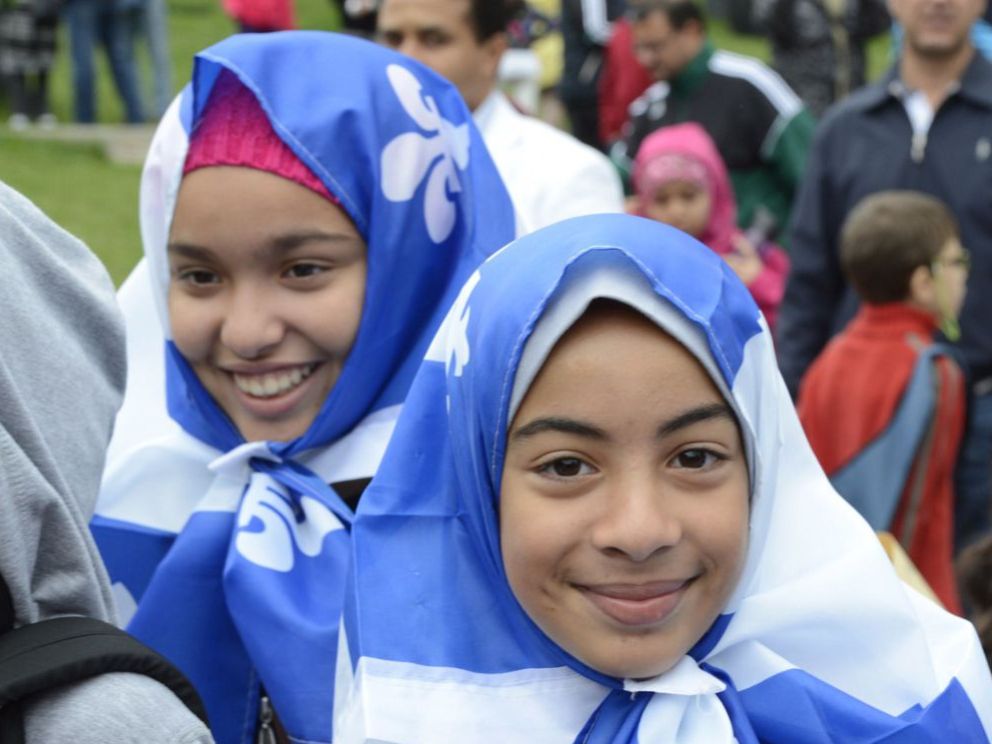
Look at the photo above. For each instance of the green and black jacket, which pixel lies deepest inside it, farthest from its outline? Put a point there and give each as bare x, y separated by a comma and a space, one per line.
760, 126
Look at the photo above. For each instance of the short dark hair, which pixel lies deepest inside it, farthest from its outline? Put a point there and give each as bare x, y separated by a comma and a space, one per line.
887, 236
491, 17
678, 12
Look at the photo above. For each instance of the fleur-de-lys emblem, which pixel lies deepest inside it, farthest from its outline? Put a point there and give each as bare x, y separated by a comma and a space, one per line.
411, 157
450, 344
282, 525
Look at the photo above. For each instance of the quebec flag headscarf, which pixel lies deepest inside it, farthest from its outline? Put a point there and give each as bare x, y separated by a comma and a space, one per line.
820, 642
237, 553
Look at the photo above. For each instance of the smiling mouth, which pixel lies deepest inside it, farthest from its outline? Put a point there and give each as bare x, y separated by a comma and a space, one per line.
273, 384
637, 604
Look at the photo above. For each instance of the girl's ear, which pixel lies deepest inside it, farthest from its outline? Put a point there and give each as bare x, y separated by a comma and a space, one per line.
922, 289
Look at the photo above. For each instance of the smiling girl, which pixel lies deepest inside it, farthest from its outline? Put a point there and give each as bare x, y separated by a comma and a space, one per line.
613, 530
304, 234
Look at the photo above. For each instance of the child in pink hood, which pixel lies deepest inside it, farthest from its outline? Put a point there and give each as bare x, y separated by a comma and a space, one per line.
681, 180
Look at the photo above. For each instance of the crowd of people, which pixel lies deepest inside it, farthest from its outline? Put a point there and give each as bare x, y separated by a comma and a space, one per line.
27, 54
443, 424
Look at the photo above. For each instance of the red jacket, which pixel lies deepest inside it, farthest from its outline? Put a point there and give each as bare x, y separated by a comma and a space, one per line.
847, 399
623, 79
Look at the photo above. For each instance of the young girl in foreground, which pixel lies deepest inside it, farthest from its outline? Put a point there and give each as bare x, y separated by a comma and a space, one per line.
613, 530
682, 181
304, 241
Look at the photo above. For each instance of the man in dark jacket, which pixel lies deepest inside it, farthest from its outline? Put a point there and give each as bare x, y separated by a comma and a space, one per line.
758, 123
927, 125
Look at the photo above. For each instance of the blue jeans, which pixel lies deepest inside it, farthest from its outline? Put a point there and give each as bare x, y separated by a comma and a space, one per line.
973, 479
155, 22
92, 21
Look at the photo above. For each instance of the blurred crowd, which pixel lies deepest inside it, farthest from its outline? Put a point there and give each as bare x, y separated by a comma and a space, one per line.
854, 212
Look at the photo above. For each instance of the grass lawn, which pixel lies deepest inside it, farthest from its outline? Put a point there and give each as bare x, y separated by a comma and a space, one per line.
98, 200
78, 188
75, 184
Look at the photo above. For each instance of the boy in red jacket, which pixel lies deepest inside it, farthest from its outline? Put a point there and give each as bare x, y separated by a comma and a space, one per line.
883, 405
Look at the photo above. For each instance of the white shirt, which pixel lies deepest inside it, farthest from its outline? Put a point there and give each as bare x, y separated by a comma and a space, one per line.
550, 175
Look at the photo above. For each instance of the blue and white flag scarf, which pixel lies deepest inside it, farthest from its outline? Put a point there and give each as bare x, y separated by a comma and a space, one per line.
820, 642
236, 553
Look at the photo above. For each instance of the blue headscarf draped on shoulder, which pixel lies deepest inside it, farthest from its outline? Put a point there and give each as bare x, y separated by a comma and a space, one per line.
236, 553
819, 643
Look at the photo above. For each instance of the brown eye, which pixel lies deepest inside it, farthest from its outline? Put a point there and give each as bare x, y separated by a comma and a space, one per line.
198, 277
304, 270
695, 459
565, 467
391, 39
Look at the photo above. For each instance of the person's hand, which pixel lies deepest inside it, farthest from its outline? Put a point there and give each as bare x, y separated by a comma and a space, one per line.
744, 260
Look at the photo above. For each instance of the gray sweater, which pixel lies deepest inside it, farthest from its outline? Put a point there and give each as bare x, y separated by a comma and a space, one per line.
61, 380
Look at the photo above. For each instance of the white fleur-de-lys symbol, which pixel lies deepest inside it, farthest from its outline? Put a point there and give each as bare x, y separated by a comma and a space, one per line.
450, 344
272, 546
411, 157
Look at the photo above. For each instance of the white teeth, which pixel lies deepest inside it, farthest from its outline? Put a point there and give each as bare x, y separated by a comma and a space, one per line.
273, 383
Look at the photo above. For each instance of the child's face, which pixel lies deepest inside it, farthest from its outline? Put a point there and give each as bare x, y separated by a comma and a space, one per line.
266, 286
951, 275
624, 498
681, 204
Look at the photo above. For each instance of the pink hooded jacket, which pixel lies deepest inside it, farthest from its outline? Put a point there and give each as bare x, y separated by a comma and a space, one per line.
691, 142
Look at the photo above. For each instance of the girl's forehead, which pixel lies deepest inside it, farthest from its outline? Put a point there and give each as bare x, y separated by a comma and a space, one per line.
243, 215
619, 289
611, 354
679, 185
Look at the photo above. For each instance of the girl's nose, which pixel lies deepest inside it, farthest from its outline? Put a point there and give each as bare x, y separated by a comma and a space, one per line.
637, 521
251, 327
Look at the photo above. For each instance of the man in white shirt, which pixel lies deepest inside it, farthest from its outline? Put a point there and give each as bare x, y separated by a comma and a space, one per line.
550, 175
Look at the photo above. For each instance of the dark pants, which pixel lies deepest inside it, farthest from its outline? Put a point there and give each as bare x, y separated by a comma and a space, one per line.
584, 119
103, 21
28, 93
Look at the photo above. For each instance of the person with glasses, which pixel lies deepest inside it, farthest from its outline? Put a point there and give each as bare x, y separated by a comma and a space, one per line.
926, 124
884, 404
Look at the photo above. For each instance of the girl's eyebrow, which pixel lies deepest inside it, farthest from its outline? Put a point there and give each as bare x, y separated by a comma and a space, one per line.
275, 248
559, 424
572, 426
695, 416
289, 241
188, 250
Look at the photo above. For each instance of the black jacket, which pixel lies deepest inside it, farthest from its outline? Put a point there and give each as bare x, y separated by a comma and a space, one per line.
865, 144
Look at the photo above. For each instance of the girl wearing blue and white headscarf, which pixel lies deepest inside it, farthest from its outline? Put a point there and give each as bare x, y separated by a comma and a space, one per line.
310, 206
598, 520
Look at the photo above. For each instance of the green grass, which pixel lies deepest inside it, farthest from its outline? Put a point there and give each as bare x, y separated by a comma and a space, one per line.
98, 200
78, 188
75, 184
724, 37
